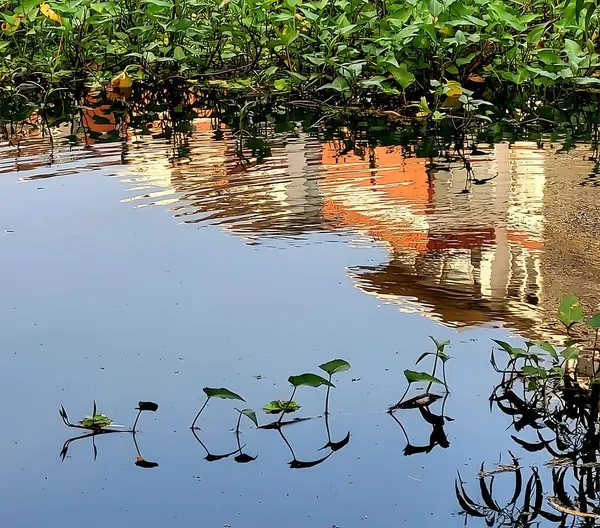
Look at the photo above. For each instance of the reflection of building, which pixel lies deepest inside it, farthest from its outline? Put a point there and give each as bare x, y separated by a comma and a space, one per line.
277, 197
465, 257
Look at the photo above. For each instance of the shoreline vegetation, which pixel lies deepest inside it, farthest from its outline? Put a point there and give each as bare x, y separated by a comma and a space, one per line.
427, 59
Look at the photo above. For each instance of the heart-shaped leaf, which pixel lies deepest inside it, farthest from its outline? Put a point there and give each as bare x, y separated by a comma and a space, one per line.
335, 366
222, 393
570, 311
309, 380
412, 377
147, 406
594, 322
250, 414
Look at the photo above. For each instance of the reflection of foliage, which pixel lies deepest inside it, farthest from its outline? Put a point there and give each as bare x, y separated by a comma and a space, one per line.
522, 509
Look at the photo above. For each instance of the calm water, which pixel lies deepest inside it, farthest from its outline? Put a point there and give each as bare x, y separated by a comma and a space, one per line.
143, 271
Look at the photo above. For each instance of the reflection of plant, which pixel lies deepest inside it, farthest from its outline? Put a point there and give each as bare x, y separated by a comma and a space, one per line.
99, 424
525, 506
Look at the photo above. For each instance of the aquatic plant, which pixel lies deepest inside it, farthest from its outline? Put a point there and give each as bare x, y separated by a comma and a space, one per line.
281, 406
221, 393
333, 367
415, 377
302, 380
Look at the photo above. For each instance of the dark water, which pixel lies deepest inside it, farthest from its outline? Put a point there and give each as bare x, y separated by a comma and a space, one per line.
143, 271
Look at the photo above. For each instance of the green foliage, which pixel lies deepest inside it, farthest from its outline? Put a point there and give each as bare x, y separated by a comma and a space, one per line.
279, 406
570, 311
309, 380
350, 48
335, 366
412, 377
222, 393
250, 414
98, 420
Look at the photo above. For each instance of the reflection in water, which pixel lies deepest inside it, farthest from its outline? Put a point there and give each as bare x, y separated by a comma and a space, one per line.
503, 251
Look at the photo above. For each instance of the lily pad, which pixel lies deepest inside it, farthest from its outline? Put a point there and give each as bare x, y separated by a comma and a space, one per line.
98, 420
278, 406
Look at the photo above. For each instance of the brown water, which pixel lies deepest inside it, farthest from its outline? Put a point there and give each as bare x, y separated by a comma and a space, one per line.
144, 270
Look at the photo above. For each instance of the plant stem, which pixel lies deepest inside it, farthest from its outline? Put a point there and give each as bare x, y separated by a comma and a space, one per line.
327, 396
200, 412
136, 420
286, 406
433, 374
594, 355
237, 427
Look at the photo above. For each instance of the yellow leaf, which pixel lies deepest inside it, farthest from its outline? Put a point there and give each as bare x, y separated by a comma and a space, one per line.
8, 28
122, 81
48, 12
453, 89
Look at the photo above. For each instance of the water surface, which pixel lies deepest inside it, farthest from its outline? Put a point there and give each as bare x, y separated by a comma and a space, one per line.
147, 270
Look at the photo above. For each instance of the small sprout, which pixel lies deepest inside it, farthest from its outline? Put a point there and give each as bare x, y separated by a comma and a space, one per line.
570, 311
333, 367
277, 406
222, 393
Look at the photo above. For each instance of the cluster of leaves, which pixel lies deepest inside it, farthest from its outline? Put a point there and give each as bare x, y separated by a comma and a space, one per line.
350, 48
540, 360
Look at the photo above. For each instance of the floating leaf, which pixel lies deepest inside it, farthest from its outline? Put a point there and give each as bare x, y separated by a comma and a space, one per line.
335, 366
277, 406
147, 406
98, 420
250, 414
570, 311
222, 393
412, 376
309, 380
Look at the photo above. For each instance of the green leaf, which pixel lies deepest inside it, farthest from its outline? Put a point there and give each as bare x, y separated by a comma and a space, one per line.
222, 393
570, 311
98, 420
339, 84
178, 53
508, 348
534, 371
412, 376
435, 7
440, 345
335, 366
278, 406
250, 414
594, 322
570, 353
549, 57
309, 380
535, 35
587, 80
402, 76
547, 347
147, 406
